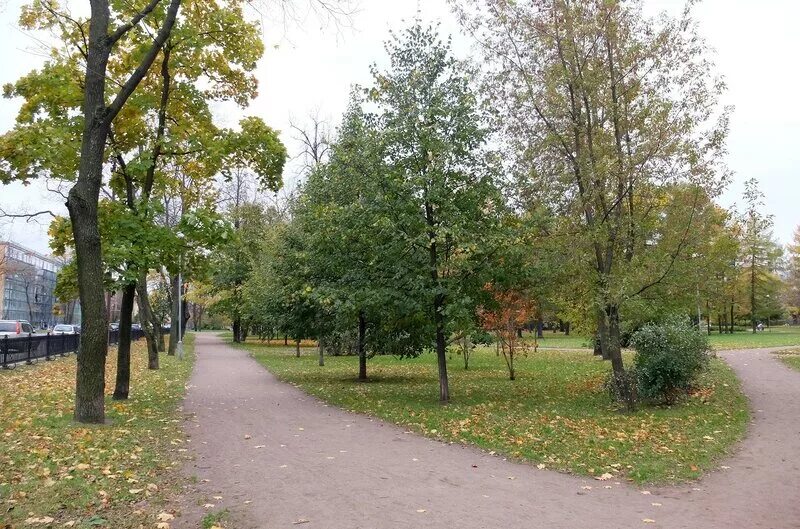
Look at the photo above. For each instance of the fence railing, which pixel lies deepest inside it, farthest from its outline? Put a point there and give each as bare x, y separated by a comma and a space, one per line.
32, 347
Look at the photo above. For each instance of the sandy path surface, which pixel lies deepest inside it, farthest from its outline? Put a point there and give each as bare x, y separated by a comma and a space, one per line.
280, 459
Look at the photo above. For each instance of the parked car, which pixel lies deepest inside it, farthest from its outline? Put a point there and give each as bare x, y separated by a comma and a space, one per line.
63, 328
136, 327
12, 328
114, 326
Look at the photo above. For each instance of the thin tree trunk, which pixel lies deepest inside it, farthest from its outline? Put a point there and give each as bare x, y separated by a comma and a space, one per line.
441, 348
174, 327
362, 346
297, 347
146, 318
612, 348
753, 292
123, 380
321, 353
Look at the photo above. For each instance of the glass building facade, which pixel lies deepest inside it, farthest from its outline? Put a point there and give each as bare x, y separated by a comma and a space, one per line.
27, 283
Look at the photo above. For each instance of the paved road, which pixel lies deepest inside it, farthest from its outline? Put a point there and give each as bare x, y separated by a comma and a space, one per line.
281, 459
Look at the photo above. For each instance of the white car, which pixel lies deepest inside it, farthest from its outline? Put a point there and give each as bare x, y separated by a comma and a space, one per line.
14, 328
63, 328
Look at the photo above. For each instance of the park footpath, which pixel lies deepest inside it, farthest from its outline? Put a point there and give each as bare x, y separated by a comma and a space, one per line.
277, 458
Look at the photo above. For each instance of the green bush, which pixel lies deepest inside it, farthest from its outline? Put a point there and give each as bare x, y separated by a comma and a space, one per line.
669, 357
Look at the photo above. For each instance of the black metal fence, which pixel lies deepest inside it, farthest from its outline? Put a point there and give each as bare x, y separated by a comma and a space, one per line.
32, 347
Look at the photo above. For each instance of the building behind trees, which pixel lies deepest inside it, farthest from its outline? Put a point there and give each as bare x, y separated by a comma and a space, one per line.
27, 285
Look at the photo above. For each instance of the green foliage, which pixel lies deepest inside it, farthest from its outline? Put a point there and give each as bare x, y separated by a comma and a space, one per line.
669, 358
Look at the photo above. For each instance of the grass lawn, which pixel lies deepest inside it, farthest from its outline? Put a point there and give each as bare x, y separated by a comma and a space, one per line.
791, 358
555, 414
774, 337
54, 472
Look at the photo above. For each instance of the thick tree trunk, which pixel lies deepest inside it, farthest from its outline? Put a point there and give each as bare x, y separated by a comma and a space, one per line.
566, 328
237, 330
146, 318
123, 380
539, 328
83, 198
82, 206
362, 346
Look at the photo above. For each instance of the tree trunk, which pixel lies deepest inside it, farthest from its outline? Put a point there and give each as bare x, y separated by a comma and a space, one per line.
539, 328
566, 328
82, 206
610, 342
441, 347
123, 381
175, 318
321, 353
286, 339
297, 347
362, 346
146, 318
753, 292
731, 324
237, 329
82, 201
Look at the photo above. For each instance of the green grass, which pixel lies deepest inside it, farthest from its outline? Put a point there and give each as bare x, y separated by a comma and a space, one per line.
215, 519
790, 357
774, 337
555, 414
117, 475
558, 340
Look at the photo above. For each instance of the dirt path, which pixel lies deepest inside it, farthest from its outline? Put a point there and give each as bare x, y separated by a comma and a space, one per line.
281, 459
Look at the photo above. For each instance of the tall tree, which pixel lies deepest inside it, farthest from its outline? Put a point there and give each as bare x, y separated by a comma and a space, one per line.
603, 111
439, 194
109, 29
792, 296
759, 252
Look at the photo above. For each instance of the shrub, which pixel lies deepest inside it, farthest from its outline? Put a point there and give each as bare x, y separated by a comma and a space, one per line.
669, 357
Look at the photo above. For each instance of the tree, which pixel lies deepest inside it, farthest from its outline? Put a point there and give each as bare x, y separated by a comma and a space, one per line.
511, 310
760, 252
118, 45
439, 197
792, 297
110, 24
604, 111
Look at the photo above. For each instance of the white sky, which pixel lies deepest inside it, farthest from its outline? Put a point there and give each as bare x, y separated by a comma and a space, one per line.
313, 68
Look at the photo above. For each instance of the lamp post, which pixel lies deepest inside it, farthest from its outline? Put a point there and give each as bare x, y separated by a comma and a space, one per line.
180, 301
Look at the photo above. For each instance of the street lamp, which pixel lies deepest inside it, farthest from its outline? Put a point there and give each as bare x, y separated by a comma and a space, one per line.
180, 302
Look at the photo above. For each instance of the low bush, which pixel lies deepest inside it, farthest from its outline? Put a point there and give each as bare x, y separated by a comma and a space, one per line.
669, 358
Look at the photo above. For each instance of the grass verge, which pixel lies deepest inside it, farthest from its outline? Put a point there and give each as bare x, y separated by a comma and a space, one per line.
790, 357
556, 414
54, 471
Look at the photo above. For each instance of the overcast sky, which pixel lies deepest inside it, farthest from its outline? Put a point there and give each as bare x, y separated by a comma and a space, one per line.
311, 69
